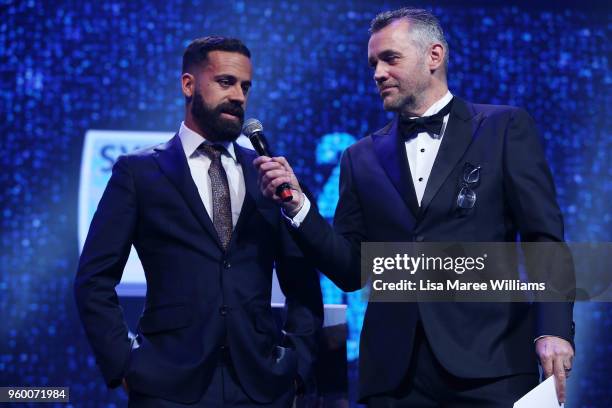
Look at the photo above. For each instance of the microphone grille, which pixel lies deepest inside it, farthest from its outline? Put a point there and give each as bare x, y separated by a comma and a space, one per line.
251, 126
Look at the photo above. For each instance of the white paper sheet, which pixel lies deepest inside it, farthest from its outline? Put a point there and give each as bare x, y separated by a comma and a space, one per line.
542, 396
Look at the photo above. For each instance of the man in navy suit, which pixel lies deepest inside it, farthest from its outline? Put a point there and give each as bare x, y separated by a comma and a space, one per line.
208, 241
443, 170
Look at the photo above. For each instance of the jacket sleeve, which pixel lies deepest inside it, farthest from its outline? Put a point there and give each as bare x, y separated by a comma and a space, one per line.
532, 200
101, 264
337, 250
299, 281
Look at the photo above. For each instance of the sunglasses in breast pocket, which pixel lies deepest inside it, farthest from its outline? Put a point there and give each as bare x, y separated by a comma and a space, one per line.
466, 198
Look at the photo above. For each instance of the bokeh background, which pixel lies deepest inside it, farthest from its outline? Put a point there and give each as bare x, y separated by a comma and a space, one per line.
70, 66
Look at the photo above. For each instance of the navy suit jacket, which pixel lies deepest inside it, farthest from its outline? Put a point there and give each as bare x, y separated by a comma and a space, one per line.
378, 203
199, 297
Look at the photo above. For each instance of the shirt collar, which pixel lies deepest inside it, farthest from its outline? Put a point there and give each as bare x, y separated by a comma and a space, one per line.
439, 104
192, 140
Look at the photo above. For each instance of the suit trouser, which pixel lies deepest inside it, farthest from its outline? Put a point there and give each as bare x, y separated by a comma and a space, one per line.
224, 391
429, 384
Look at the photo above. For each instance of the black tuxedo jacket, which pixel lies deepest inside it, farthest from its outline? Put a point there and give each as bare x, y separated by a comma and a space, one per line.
199, 297
377, 202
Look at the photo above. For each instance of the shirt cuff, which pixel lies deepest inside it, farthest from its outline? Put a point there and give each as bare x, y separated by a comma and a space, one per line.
297, 220
544, 335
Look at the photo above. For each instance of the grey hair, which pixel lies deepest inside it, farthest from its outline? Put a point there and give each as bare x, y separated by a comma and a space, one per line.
425, 27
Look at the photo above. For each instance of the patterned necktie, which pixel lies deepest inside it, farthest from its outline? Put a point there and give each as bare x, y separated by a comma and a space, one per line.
222, 207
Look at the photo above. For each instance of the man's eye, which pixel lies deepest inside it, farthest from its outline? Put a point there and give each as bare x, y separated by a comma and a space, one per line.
225, 82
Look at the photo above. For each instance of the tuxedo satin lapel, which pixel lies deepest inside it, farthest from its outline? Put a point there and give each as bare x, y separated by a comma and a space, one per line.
391, 153
173, 163
461, 127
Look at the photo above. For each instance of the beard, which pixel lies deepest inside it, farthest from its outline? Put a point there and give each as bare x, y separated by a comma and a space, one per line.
406, 102
399, 103
410, 93
216, 127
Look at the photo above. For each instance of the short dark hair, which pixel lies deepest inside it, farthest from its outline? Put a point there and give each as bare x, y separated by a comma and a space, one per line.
425, 27
197, 51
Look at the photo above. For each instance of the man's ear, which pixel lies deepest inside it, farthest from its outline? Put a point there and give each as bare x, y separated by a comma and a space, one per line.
188, 84
436, 56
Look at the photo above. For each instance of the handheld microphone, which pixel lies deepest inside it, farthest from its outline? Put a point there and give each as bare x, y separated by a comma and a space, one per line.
253, 129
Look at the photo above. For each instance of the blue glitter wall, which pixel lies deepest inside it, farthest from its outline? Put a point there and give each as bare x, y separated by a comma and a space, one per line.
67, 67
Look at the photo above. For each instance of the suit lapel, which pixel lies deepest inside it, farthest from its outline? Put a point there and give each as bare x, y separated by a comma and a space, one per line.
391, 153
462, 125
251, 187
173, 163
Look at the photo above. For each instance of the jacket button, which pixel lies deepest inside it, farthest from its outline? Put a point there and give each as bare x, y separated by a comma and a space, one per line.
223, 310
227, 265
419, 238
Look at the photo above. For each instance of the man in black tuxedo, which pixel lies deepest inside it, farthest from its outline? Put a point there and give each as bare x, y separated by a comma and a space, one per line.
467, 172
208, 241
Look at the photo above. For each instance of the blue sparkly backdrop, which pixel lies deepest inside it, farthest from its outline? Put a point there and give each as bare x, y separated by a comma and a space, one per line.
67, 67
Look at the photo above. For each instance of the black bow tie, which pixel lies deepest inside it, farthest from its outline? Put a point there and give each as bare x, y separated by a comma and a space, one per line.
431, 124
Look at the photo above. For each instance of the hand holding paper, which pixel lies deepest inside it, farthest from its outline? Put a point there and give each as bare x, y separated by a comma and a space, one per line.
556, 356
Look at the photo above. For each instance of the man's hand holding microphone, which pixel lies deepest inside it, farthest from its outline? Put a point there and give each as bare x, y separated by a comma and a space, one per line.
276, 178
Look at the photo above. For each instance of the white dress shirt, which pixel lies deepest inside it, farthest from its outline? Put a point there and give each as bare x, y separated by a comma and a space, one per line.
199, 163
423, 149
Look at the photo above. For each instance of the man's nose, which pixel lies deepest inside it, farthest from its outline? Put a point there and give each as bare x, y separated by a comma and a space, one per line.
238, 95
380, 74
